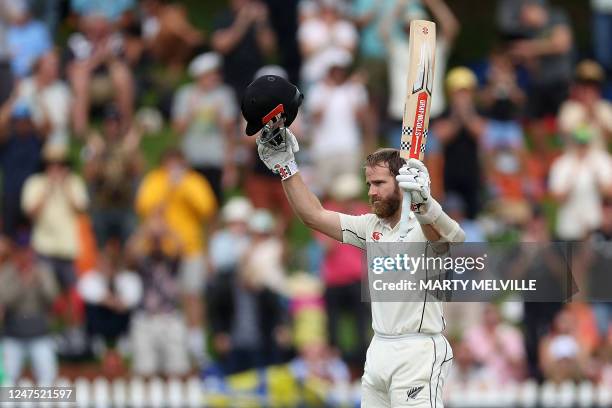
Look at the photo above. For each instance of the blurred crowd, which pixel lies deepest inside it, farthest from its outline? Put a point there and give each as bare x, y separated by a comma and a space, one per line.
140, 230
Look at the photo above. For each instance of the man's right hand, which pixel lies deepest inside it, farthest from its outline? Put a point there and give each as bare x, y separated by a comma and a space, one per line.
278, 154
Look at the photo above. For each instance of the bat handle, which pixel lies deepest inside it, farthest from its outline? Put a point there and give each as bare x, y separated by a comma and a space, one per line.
405, 213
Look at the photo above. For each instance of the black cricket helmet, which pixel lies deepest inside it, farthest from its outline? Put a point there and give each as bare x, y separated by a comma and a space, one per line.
267, 97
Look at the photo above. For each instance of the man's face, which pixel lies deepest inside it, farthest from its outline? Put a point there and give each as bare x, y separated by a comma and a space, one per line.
587, 93
533, 15
384, 193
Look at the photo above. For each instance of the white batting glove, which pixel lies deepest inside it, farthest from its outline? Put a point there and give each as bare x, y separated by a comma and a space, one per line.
278, 154
413, 178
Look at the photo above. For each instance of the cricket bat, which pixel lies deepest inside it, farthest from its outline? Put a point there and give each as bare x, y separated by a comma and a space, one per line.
415, 123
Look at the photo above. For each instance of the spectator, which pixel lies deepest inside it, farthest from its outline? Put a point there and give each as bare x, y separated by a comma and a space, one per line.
21, 145
459, 131
317, 36
545, 50
498, 347
342, 270
396, 30
110, 292
586, 107
368, 18
561, 356
508, 19
27, 38
205, 118
97, 71
113, 165
466, 371
228, 243
168, 34
455, 208
340, 130
159, 333
257, 316
579, 180
503, 101
538, 260
227, 247
598, 271
602, 32
323, 376
27, 290
49, 98
242, 34
262, 266
502, 139
53, 200
186, 203
286, 28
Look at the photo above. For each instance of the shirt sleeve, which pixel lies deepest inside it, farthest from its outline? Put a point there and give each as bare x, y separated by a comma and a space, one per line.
604, 115
150, 194
360, 96
559, 174
201, 196
316, 98
180, 105
229, 109
354, 229
79, 193
605, 170
32, 190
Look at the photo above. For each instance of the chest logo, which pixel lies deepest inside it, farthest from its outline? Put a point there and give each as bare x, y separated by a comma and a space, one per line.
376, 235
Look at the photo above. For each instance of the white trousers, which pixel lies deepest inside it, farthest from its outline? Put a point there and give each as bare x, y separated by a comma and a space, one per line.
406, 371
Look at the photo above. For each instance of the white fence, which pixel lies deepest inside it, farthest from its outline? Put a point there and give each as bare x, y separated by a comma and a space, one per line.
174, 393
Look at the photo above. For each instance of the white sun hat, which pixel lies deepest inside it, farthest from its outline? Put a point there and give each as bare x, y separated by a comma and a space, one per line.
204, 63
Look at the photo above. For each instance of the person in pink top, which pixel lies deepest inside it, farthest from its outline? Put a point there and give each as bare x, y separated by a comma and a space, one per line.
497, 347
342, 267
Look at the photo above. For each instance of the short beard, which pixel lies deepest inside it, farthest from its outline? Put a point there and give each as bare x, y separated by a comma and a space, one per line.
388, 207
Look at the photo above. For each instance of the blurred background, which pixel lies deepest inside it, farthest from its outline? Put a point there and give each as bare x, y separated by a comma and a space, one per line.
148, 258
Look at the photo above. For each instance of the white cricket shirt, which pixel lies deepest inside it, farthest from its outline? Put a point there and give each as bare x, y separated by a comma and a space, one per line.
394, 318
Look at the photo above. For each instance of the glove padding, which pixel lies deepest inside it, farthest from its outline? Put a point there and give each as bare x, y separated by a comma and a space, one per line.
414, 179
278, 152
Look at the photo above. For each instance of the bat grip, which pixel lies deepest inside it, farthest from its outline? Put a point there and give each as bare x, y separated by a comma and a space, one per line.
405, 213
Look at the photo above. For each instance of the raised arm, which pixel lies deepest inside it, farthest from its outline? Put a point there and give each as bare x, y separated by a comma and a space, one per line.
309, 209
449, 25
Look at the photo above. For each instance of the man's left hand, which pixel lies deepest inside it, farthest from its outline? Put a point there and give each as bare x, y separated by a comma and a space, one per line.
413, 178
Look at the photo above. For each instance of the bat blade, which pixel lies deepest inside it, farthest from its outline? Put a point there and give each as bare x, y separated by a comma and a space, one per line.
415, 123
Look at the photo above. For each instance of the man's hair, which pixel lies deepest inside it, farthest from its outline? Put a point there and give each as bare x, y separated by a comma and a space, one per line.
386, 157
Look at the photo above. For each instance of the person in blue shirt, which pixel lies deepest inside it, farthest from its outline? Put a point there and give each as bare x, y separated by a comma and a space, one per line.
20, 156
27, 39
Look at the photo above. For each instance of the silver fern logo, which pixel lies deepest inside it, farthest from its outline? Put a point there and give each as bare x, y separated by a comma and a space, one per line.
413, 392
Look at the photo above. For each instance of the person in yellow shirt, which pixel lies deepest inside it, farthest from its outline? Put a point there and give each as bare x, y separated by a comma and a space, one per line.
185, 201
